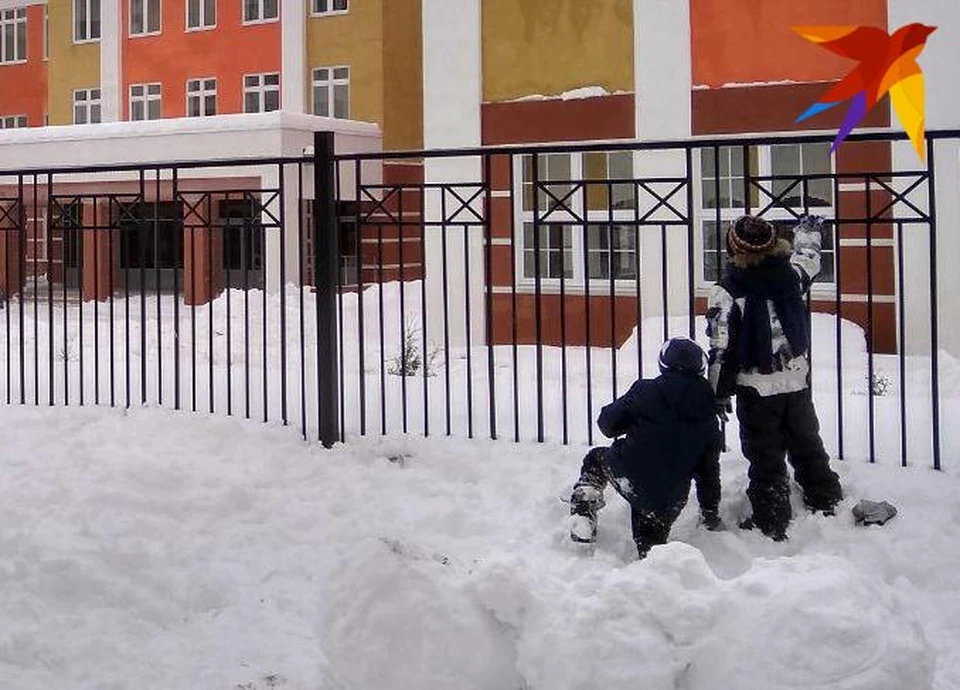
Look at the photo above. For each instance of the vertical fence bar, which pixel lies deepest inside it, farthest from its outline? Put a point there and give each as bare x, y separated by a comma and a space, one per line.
381, 332
563, 341
361, 352
282, 192
691, 297
934, 304
192, 227
467, 324
264, 326
326, 253
901, 345
585, 250
612, 246
488, 295
157, 285
421, 202
513, 300
81, 248
177, 258
446, 313
636, 278
35, 245
244, 236
66, 347
871, 412
141, 231
401, 233
337, 268
664, 282
538, 288
301, 243
98, 230
49, 238
838, 297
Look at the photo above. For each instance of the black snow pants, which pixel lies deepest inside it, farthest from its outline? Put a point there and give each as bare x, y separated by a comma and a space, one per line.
649, 529
770, 428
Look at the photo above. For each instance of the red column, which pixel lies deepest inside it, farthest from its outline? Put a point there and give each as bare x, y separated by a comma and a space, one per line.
202, 252
99, 267
11, 250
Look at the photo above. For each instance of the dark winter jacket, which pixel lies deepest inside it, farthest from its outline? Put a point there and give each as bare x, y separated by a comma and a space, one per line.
670, 436
757, 321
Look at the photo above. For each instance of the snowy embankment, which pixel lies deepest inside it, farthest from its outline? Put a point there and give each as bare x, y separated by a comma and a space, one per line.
156, 549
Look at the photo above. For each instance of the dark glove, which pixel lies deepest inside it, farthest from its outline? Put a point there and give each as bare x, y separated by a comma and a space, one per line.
723, 408
711, 521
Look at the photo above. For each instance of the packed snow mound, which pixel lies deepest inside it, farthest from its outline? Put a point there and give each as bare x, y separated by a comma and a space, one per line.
808, 622
400, 622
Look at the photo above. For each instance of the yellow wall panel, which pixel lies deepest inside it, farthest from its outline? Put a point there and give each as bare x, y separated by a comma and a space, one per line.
403, 74
547, 47
71, 66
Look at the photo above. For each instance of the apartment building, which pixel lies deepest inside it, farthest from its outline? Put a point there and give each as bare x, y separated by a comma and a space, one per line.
458, 73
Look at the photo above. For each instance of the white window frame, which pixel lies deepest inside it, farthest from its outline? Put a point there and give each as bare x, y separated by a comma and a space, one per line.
88, 25
16, 17
205, 24
91, 98
202, 93
13, 121
331, 83
148, 93
260, 18
317, 8
146, 14
761, 167
261, 89
575, 283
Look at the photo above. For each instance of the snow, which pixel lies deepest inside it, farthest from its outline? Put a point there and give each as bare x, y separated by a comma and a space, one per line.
220, 358
157, 549
572, 95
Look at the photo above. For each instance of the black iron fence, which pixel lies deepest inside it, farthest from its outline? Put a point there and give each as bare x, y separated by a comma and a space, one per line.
501, 292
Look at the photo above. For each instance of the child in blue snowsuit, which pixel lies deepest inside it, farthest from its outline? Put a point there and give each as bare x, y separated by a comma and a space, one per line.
669, 434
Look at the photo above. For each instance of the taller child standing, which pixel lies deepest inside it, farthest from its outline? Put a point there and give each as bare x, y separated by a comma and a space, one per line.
759, 351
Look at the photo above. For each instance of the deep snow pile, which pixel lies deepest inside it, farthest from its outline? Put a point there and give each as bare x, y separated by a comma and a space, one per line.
156, 549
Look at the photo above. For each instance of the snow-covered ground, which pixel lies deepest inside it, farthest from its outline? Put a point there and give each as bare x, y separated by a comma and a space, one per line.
156, 549
230, 355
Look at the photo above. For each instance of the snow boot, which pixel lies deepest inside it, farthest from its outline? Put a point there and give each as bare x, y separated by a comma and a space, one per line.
585, 502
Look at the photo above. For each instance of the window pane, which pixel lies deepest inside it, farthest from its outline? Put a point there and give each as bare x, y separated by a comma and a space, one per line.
94, 18
321, 74
21, 40
136, 16
80, 19
153, 19
271, 101
251, 10
319, 6
251, 102
340, 5
321, 101
251, 80
79, 115
209, 12
136, 90
95, 113
341, 73
153, 89
785, 159
8, 46
153, 110
270, 9
193, 106
620, 165
210, 105
136, 110
341, 101
94, 94
210, 84
193, 14
271, 79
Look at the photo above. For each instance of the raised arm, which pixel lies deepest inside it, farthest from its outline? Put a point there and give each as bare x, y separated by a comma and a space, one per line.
615, 418
807, 250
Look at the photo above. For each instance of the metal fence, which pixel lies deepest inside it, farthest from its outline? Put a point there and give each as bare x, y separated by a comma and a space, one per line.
498, 292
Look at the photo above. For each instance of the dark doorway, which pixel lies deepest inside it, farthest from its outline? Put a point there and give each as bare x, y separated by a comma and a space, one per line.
151, 245
242, 243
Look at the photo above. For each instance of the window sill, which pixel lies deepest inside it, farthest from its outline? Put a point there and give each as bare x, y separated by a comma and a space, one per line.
11, 63
199, 29
258, 22
324, 15
85, 41
149, 34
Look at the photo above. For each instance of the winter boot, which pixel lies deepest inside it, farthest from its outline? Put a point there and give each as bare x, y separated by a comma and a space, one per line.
585, 502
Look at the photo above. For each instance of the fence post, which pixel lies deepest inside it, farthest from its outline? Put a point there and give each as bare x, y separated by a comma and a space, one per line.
326, 262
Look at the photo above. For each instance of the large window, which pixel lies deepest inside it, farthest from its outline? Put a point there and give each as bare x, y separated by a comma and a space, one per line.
86, 20
145, 102
331, 92
201, 97
587, 209
144, 17
329, 6
86, 106
786, 181
13, 35
12, 121
261, 93
201, 14
255, 11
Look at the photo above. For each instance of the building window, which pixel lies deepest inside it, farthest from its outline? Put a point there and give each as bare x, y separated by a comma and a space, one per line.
261, 93
329, 7
145, 102
13, 121
86, 20
331, 92
144, 17
13, 35
785, 181
586, 207
201, 14
86, 106
201, 97
255, 11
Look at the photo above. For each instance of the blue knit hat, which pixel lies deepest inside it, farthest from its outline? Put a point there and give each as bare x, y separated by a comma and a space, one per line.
683, 355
